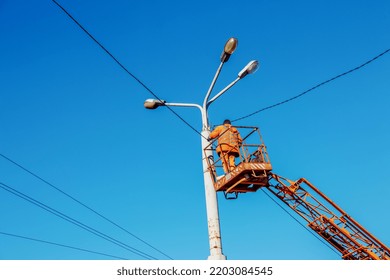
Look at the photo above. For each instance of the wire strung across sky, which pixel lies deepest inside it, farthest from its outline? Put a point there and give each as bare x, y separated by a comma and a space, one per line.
75, 222
61, 245
123, 67
315, 87
82, 204
238, 119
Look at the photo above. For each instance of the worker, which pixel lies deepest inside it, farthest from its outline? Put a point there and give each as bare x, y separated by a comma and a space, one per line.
229, 143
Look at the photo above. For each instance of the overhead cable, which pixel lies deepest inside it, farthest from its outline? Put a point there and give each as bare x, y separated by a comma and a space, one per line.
238, 119
315, 87
75, 222
61, 245
122, 66
82, 204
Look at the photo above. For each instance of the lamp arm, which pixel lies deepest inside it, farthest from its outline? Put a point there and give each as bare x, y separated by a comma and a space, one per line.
222, 91
212, 84
184, 105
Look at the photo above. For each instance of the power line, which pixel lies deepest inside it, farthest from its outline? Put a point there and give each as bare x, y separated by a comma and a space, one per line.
61, 245
241, 118
82, 204
315, 87
75, 222
122, 66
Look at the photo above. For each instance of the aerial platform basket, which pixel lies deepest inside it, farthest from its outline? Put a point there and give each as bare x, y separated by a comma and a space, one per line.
252, 164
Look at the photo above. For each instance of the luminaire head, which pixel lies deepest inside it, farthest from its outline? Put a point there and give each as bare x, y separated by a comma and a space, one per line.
250, 68
230, 47
153, 103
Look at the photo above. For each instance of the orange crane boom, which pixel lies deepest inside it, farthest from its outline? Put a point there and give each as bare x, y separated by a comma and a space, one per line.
328, 220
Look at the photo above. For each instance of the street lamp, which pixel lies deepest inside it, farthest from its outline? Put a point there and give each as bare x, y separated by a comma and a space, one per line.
250, 68
230, 47
210, 193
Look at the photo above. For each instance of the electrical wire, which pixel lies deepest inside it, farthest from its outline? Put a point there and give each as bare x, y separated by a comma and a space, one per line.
82, 204
315, 87
75, 222
277, 203
235, 120
61, 245
122, 66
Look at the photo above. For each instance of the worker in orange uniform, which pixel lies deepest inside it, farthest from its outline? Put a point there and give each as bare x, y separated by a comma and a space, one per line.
229, 143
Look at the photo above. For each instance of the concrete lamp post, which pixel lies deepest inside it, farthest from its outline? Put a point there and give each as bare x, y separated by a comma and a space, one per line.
210, 193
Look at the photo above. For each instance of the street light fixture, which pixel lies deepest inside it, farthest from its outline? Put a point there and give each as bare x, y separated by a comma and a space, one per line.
230, 47
210, 193
153, 103
250, 68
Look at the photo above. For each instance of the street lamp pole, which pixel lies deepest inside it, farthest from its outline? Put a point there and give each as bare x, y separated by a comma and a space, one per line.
210, 193
213, 224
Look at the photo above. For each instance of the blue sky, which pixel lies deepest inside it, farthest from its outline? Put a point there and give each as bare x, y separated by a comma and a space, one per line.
72, 116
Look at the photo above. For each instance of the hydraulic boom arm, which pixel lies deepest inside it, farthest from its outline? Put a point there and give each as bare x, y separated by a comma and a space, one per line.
328, 220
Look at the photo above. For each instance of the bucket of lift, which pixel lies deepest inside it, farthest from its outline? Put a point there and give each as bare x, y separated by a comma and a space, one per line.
252, 165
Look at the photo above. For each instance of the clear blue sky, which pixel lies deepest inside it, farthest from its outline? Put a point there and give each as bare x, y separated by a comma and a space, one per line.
72, 116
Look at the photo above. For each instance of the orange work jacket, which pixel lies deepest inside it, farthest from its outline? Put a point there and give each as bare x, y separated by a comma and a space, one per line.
229, 139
